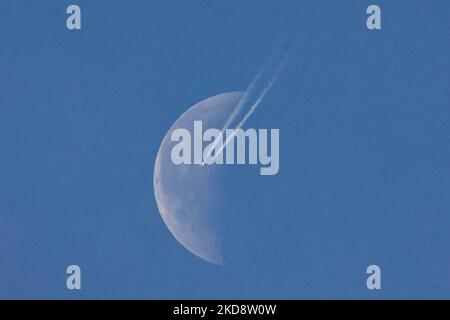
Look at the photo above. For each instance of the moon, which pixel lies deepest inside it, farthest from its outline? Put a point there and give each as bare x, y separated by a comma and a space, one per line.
189, 196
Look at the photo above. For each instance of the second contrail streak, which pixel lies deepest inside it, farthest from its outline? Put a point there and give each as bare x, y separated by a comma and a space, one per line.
244, 101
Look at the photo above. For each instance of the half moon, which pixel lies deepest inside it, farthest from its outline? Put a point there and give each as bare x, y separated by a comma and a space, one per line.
189, 196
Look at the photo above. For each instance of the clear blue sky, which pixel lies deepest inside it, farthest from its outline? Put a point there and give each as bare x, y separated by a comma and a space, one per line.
364, 127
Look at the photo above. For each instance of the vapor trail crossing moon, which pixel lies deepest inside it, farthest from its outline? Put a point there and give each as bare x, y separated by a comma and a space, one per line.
189, 196
254, 95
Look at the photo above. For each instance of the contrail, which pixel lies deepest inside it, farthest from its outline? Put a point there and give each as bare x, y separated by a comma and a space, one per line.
251, 90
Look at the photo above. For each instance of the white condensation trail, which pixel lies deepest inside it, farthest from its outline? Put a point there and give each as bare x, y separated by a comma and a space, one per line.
242, 102
255, 105
264, 92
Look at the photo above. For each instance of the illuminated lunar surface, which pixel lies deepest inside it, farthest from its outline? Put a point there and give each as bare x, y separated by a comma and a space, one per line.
189, 196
